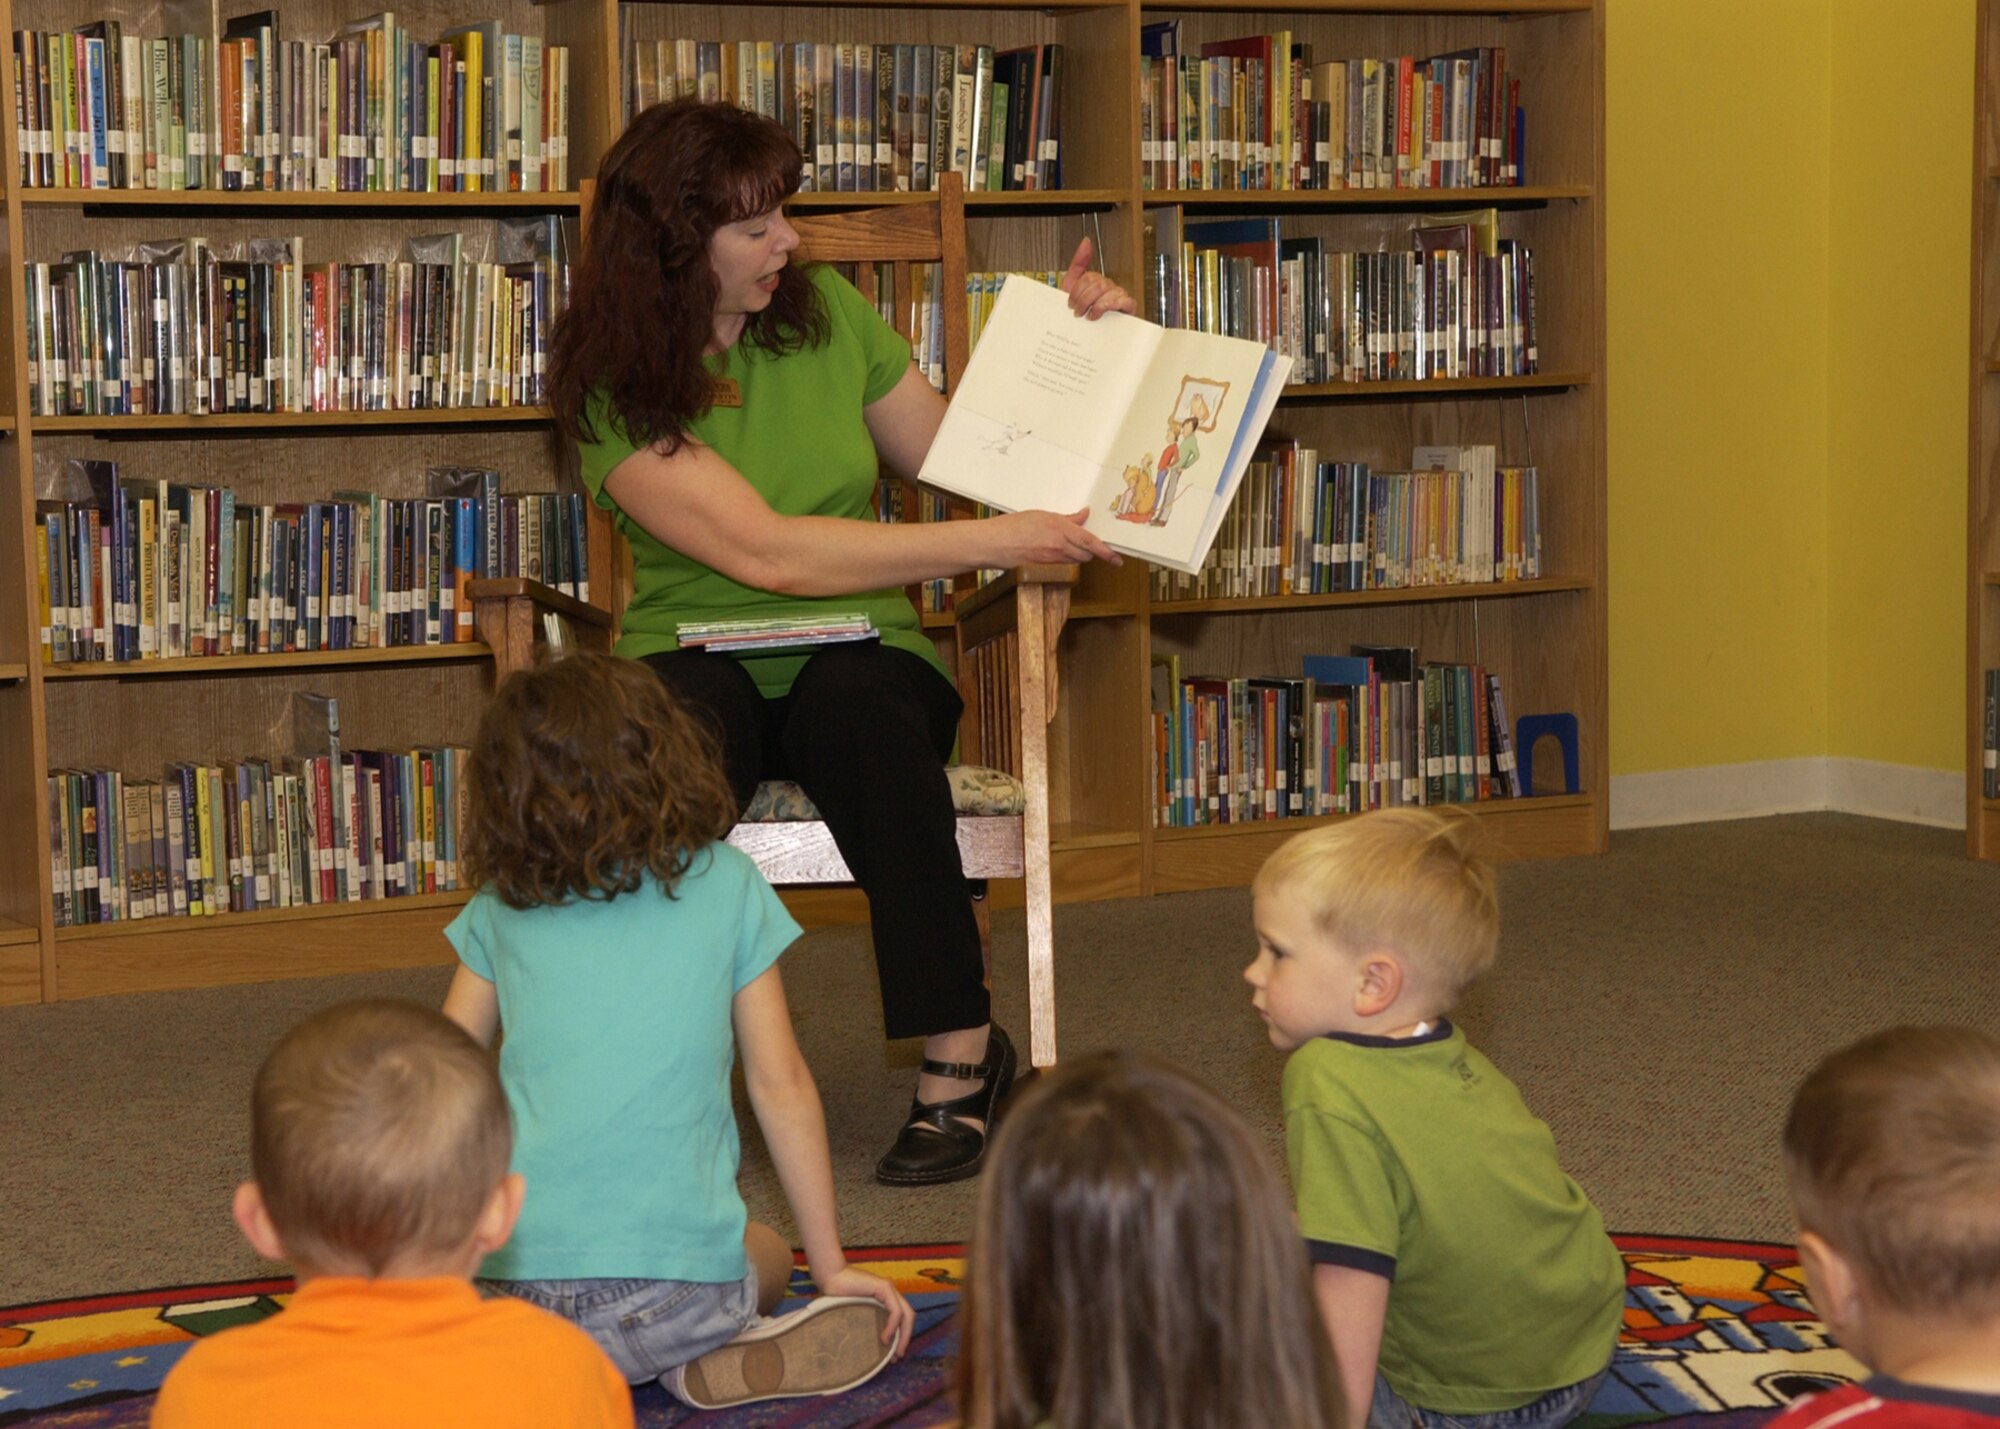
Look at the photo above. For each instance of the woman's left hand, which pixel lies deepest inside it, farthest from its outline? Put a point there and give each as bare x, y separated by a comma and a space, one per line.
1092, 295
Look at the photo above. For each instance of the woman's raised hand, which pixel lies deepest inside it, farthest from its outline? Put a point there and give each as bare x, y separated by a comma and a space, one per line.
1092, 295
1042, 538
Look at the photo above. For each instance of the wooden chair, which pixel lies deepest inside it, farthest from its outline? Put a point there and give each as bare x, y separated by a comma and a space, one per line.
1005, 636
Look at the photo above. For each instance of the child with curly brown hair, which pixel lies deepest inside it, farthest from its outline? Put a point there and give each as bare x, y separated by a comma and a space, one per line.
628, 953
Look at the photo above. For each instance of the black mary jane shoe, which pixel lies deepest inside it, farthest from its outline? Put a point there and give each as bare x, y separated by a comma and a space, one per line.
935, 1146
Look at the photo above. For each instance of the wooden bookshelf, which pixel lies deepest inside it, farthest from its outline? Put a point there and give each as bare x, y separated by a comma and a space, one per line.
1546, 638
194, 200
328, 422
469, 650
1982, 615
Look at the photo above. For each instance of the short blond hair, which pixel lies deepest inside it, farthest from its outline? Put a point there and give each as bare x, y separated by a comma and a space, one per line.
378, 1131
1413, 881
1892, 1152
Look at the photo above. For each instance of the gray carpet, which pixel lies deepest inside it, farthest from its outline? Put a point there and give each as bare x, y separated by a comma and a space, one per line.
1655, 1006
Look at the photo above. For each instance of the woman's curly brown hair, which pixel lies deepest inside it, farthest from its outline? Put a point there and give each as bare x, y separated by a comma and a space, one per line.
642, 309
585, 776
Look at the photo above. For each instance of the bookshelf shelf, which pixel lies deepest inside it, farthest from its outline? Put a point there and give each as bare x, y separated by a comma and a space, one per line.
12, 673
316, 912
161, 953
1443, 388
1486, 808
1418, 8
1082, 836
330, 422
1522, 196
1009, 201
1405, 595
1228, 855
110, 200
249, 664
12, 934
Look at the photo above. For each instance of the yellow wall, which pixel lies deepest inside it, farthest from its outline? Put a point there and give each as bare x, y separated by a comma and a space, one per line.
1787, 234
1898, 347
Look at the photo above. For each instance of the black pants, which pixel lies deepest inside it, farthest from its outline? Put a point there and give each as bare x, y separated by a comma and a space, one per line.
865, 731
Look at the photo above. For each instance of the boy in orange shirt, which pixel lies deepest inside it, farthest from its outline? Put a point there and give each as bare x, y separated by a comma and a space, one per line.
379, 1141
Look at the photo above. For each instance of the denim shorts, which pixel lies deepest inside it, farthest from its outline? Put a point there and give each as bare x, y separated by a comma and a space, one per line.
1389, 1410
647, 1327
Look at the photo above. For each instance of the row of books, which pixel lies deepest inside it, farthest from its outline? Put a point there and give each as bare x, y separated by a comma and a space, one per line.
135, 568
366, 110
1990, 745
212, 839
173, 327
1373, 729
1459, 302
876, 117
1259, 112
1301, 526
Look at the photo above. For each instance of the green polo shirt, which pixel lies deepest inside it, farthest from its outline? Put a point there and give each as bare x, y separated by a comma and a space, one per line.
1416, 1159
798, 438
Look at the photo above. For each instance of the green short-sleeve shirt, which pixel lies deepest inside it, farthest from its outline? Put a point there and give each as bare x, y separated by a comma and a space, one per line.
799, 439
1417, 1159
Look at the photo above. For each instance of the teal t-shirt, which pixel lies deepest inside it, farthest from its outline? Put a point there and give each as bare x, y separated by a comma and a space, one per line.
799, 439
1416, 1158
616, 1056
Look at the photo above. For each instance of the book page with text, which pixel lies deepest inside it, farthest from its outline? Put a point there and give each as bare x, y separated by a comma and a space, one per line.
1034, 420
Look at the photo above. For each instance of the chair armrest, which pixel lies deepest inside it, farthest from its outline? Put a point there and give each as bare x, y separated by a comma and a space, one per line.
1030, 600
993, 609
509, 611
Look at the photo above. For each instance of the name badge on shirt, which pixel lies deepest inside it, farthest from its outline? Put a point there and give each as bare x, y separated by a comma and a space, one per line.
726, 393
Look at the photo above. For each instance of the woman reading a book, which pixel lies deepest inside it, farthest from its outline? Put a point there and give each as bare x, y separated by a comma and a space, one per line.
732, 407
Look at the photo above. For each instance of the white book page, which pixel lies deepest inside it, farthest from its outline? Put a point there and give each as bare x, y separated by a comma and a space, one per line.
1191, 440
1031, 425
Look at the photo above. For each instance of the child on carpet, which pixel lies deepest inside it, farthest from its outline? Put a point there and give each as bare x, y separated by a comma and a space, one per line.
1892, 1152
1462, 1276
627, 952
379, 1141
1134, 1264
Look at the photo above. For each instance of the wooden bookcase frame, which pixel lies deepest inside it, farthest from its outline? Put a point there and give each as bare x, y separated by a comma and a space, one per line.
1547, 639
1982, 614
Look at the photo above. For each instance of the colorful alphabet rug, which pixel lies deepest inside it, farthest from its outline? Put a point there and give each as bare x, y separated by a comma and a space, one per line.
1716, 1329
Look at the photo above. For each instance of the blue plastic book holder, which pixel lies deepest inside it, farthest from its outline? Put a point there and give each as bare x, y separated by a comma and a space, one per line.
1528, 729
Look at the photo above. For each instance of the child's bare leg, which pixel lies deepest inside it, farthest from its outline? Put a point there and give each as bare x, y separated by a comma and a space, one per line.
771, 1258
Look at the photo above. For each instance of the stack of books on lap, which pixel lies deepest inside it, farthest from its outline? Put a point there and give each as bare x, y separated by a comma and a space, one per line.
775, 632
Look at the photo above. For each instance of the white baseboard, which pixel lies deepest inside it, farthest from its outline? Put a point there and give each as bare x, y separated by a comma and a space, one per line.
1789, 786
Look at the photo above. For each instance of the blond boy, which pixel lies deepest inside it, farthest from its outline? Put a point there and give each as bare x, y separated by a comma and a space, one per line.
1460, 1273
1892, 1150
379, 1142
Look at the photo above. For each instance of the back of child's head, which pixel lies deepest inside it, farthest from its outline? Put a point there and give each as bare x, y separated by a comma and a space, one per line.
1892, 1149
1135, 1264
1414, 881
585, 776
378, 1132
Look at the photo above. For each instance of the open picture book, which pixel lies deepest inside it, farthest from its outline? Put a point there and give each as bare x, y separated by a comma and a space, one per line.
1151, 428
